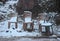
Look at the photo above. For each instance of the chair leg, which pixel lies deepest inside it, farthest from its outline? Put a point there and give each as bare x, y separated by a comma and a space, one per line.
8, 25
24, 26
32, 25
40, 28
16, 25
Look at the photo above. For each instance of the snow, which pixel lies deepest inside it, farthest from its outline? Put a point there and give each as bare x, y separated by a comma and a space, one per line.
27, 19
11, 2
41, 21
4, 9
45, 23
43, 29
13, 19
36, 24
15, 33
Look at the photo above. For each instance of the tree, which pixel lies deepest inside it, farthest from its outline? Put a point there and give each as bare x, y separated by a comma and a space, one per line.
3, 1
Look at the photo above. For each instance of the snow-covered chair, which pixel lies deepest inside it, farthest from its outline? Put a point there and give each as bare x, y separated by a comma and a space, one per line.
12, 20
28, 24
27, 16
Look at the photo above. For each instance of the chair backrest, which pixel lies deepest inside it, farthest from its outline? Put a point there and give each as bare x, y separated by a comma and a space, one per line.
57, 19
27, 16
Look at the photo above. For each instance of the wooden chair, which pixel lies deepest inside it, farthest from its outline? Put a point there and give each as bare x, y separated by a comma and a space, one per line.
12, 20
27, 20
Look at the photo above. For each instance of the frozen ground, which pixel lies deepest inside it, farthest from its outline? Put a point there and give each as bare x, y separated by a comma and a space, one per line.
28, 39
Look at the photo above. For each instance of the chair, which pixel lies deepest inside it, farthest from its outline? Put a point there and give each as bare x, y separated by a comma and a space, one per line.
27, 20
12, 20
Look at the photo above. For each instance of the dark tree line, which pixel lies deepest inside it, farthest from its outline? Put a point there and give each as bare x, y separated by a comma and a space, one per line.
28, 5
35, 8
58, 5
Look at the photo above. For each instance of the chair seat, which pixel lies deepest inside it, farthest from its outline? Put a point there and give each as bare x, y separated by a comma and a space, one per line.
27, 19
13, 19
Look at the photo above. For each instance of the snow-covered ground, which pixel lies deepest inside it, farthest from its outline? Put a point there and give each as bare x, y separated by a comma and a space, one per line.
4, 9
28, 39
